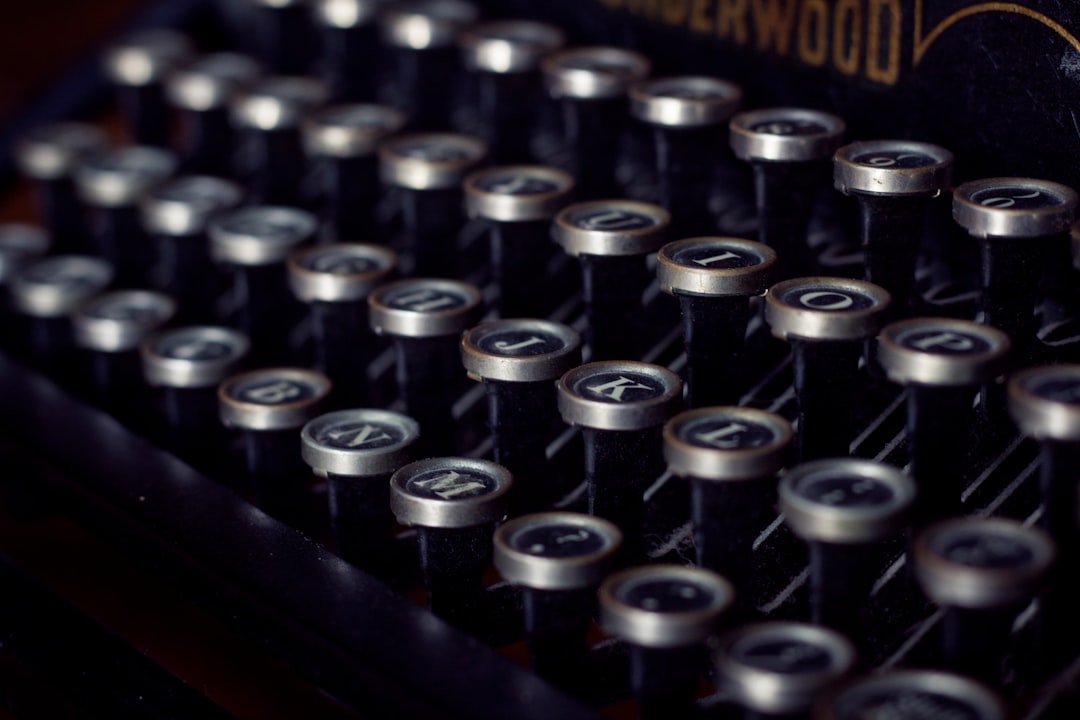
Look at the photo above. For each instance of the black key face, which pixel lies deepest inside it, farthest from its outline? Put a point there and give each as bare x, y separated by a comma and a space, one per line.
982, 550
517, 184
224, 66
787, 656
900, 159
68, 276
906, 704
618, 387
425, 300
202, 192
1007, 197
844, 491
943, 341
436, 152
272, 391
716, 256
336, 262
364, 117
265, 226
724, 432
1061, 389
612, 220
70, 136
664, 595
137, 165
194, 349
598, 65
827, 299
688, 90
789, 127
125, 310
520, 343
450, 484
559, 541
353, 435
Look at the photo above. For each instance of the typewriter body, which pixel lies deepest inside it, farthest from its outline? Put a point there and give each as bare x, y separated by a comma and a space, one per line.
179, 597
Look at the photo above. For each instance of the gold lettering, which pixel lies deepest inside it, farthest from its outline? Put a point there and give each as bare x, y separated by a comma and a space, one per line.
731, 20
699, 16
675, 11
847, 36
773, 20
813, 39
883, 67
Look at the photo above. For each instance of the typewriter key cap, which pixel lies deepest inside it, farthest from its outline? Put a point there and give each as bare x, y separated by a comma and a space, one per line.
781, 669
424, 317
1015, 220
342, 140
558, 559
611, 239
111, 327
841, 508
825, 320
48, 156
714, 278
335, 281
620, 407
665, 614
454, 504
137, 66
350, 47
789, 149
271, 160
518, 361
281, 34
20, 243
518, 201
429, 170
253, 244
893, 181
914, 694
177, 214
941, 363
201, 92
592, 84
358, 450
983, 571
269, 407
423, 35
504, 57
730, 456
689, 117
112, 184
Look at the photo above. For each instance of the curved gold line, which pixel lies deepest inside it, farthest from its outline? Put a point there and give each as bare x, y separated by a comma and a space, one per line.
923, 44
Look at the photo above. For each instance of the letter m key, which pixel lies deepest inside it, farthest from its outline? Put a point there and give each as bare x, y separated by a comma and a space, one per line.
450, 485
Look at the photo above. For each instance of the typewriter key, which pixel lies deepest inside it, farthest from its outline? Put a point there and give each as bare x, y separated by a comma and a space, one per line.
611, 239
112, 184
269, 407
281, 34
335, 281
893, 181
825, 320
429, 170
20, 244
454, 504
425, 317
518, 201
558, 559
983, 571
423, 35
201, 92
187, 364
941, 363
714, 279
358, 450
271, 159
1015, 220
664, 613
177, 214
730, 456
111, 327
518, 361
689, 118
48, 155
780, 669
620, 407
914, 694
137, 66
253, 244
504, 57
788, 149
342, 139
841, 508
592, 84
350, 47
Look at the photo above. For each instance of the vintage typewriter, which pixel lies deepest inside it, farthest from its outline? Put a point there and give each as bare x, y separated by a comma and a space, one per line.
529, 232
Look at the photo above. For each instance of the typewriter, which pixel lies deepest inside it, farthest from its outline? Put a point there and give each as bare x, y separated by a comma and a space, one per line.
617, 358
